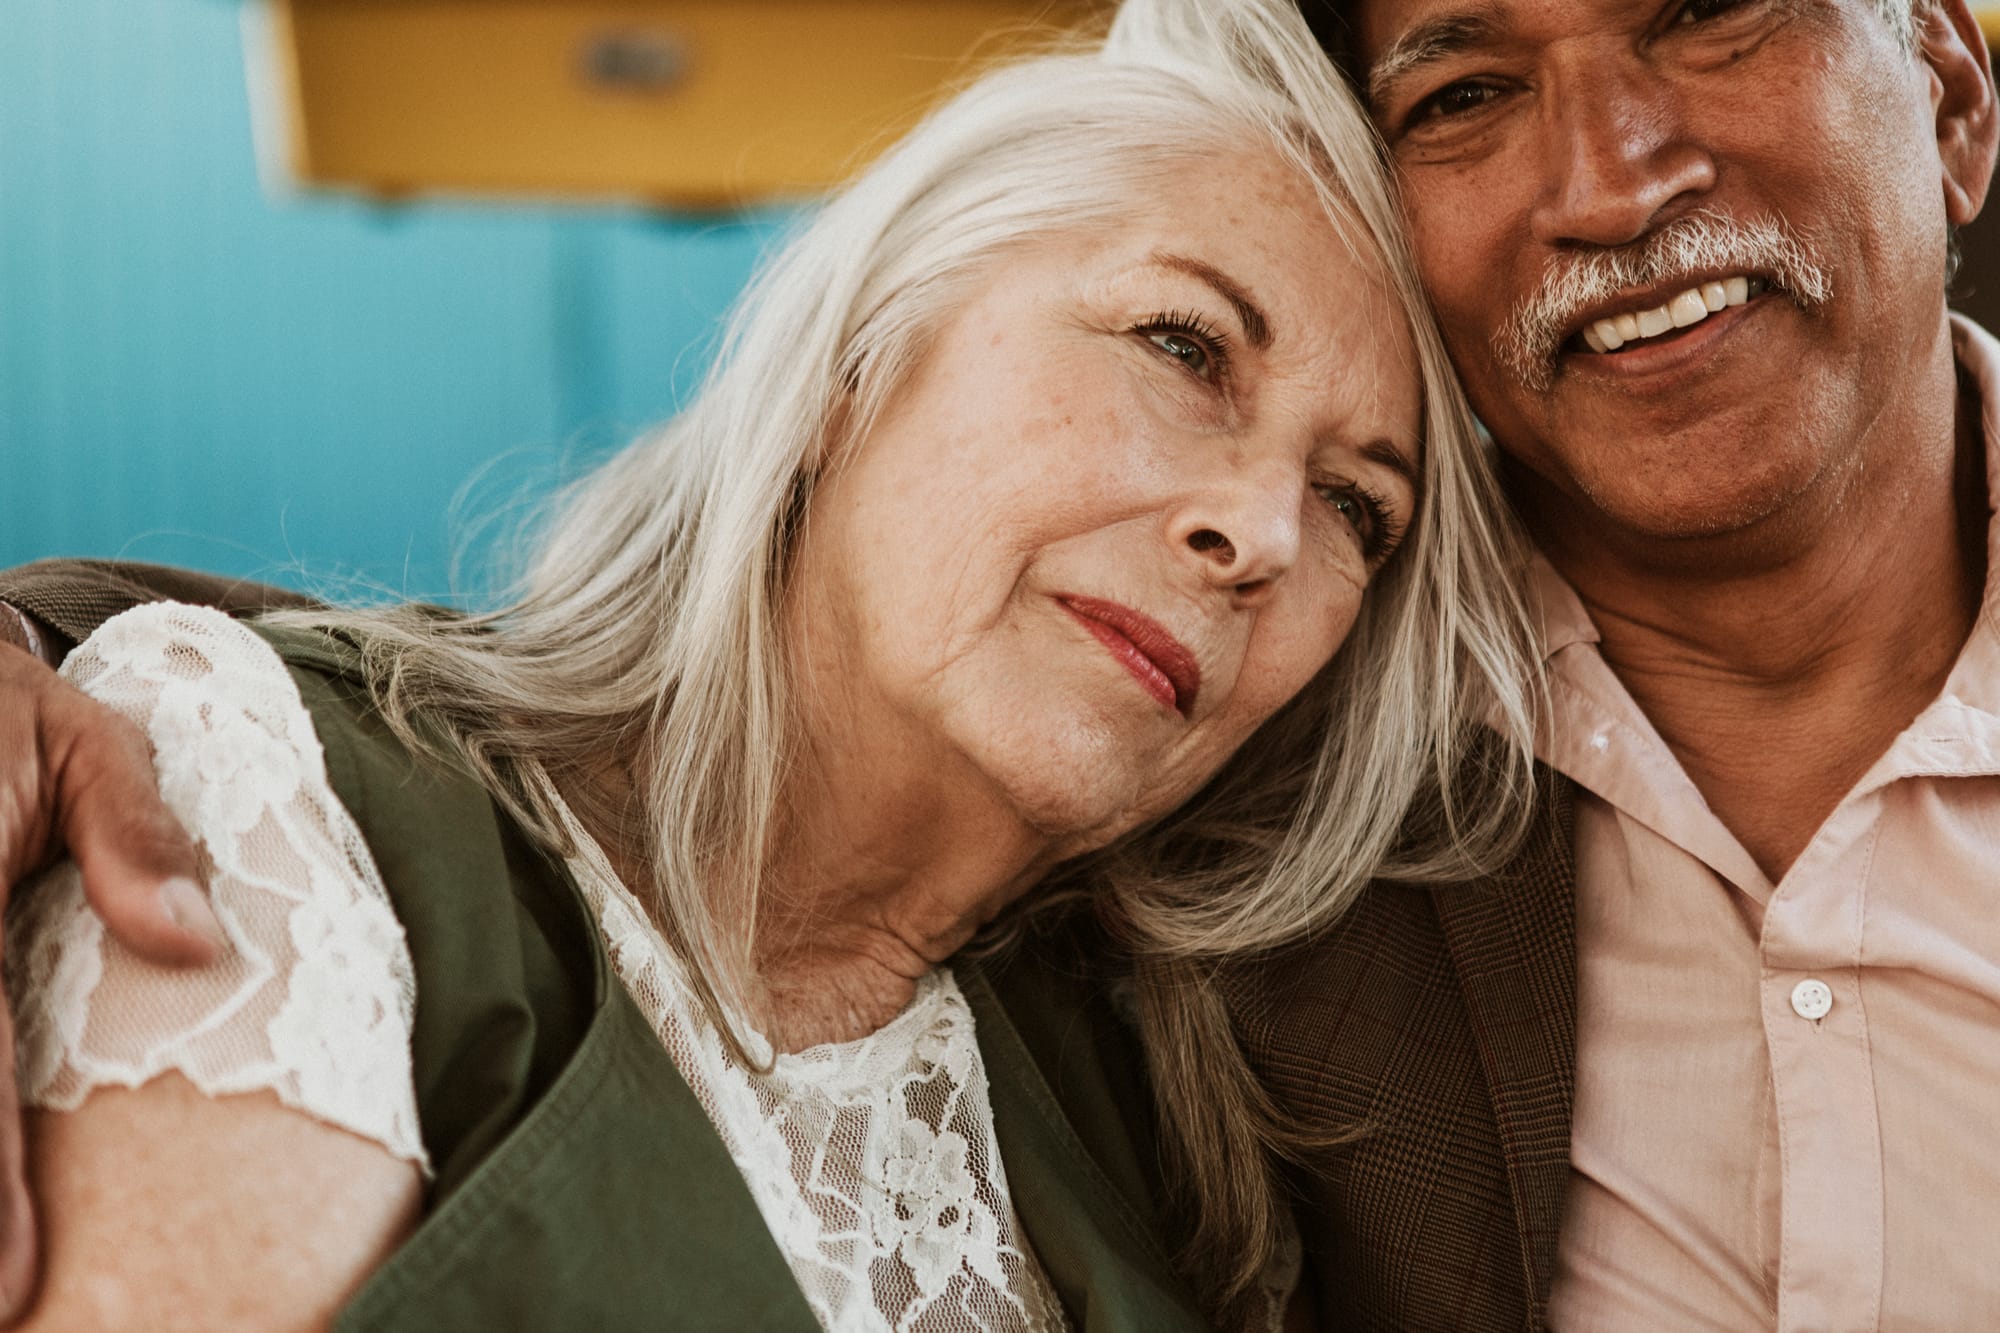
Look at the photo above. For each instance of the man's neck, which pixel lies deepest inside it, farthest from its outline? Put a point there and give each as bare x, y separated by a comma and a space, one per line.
1778, 682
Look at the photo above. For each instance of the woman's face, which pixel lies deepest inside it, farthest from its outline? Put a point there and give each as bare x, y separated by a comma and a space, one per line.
1126, 506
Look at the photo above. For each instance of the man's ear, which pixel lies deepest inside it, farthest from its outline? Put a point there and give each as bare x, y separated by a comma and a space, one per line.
1962, 94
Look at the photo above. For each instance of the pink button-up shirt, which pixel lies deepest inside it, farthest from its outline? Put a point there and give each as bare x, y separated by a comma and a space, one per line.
1788, 1095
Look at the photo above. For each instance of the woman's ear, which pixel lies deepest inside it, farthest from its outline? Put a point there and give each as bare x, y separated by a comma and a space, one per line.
1963, 100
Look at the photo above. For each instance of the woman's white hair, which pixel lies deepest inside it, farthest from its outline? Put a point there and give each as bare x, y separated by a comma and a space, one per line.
643, 637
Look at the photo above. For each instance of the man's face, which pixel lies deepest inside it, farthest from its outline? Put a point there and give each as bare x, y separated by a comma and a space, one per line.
1771, 180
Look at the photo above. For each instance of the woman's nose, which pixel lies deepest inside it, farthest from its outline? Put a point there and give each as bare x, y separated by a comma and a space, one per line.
1243, 534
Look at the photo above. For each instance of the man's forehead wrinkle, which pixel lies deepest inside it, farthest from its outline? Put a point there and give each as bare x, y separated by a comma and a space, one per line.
1433, 39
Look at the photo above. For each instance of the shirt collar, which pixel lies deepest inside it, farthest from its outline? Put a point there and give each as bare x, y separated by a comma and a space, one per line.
1598, 736
1975, 678
1562, 620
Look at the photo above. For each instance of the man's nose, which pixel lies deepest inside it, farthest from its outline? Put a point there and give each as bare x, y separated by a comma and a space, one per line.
1241, 529
1617, 153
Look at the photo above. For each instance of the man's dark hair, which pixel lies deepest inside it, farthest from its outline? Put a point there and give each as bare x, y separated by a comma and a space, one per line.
1331, 23
1328, 20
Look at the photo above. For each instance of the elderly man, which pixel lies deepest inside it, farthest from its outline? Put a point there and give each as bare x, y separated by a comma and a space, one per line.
1720, 1050
1690, 257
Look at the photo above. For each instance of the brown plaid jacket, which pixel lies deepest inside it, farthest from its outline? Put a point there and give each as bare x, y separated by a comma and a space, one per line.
1439, 1021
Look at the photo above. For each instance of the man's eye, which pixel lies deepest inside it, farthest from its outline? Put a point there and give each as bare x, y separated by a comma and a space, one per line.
1186, 350
1454, 99
1700, 11
1713, 33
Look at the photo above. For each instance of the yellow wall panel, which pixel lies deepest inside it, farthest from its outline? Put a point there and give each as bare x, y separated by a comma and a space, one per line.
702, 102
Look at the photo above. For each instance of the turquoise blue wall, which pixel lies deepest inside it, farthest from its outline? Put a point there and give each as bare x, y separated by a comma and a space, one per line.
296, 388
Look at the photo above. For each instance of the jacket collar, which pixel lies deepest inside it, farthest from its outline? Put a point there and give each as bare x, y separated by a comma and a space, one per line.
1086, 1209
1512, 940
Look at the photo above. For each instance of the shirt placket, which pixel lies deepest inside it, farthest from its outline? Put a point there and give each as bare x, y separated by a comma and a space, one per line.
1816, 1030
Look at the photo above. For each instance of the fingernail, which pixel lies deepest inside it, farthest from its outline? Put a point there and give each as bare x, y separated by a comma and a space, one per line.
187, 907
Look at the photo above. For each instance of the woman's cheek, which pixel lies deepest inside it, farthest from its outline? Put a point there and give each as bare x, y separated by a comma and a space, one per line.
1324, 617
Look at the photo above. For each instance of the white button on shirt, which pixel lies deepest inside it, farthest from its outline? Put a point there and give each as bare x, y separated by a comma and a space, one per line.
1786, 1094
1811, 999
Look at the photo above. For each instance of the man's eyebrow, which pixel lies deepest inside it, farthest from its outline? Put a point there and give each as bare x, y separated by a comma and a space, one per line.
1256, 327
1430, 41
1389, 456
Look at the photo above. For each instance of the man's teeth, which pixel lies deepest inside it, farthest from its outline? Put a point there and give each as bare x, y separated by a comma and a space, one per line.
1690, 307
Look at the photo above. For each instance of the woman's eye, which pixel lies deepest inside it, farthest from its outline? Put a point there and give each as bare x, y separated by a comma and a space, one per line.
1378, 530
1352, 508
1185, 336
1185, 350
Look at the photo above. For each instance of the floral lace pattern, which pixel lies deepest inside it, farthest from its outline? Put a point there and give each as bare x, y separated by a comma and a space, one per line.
315, 1000
874, 1162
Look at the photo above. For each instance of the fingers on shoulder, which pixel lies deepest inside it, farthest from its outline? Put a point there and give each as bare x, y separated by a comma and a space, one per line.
166, 1208
60, 745
78, 776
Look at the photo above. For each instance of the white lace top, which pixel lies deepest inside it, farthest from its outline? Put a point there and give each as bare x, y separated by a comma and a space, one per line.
874, 1162
315, 1000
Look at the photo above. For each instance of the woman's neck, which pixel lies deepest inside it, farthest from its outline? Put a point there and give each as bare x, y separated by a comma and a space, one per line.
880, 870
884, 867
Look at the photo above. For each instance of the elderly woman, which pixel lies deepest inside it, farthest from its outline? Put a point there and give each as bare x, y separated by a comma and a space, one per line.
602, 962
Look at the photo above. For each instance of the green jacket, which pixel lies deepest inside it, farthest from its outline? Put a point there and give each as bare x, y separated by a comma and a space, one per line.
579, 1183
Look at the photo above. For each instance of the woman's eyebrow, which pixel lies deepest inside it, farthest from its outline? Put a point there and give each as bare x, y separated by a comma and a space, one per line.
1389, 456
1256, 327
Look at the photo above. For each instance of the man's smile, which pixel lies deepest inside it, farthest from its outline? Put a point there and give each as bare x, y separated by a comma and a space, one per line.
1608, 333
1599, 301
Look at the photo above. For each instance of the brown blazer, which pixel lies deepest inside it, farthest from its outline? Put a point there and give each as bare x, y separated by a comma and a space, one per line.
1439, 1020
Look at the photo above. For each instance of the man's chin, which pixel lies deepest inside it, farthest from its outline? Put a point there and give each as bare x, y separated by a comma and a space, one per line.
1690, 496
1726, 532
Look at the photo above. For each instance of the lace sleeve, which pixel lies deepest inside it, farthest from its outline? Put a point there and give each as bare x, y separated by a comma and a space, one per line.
314, 1003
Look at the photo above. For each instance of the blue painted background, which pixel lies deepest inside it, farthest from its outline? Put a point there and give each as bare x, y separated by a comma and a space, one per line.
295, 388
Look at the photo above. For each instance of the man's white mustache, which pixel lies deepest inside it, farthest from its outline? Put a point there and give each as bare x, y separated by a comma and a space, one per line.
1697, 245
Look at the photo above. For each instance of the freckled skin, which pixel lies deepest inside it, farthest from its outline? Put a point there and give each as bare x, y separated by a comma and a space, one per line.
1044, 448
961, 731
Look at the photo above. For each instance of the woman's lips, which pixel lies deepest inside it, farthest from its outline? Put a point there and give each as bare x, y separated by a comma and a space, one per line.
1156, 659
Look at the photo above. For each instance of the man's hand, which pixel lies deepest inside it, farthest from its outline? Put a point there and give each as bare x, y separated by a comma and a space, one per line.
77, 780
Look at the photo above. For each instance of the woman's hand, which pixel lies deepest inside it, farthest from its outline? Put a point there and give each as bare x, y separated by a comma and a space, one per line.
77, 781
